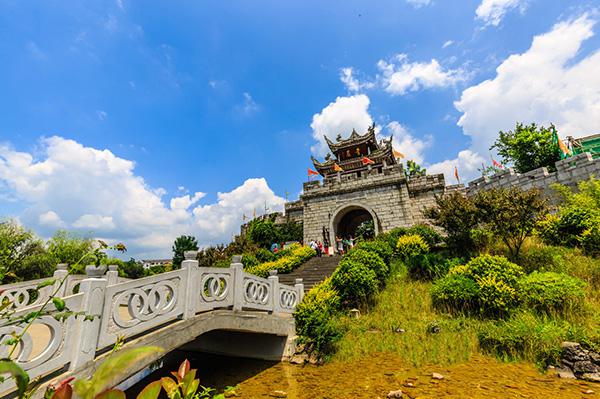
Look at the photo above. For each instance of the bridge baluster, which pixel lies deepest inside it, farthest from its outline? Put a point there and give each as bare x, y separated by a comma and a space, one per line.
274, 280
238, 282
190, 266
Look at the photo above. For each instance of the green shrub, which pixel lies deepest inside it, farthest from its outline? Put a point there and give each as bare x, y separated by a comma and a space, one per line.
430, 266
572, 223
411, 245
455, 293
371, 260
427, 233
530, 337
249, 260
381, 248
264, 255
496, 296
354, 282
391, 237
313, 318
589, 240
551, 292
542, 258
294, 257
492, 266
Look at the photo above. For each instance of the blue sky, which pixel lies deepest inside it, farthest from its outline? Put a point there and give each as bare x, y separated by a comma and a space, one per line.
138, 121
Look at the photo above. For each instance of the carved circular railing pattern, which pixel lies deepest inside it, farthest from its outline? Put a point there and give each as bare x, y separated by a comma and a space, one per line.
145, 303
256, 292
214, 287
25, 346
23, 296
288, 299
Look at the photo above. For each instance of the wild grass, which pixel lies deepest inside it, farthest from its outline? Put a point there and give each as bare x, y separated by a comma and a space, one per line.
406, 305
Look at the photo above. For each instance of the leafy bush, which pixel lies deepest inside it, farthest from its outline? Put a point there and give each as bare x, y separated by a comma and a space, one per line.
411, 245
430, 266
542, 258
455, 293
590, 238
354, 282
264, 255
551, 292
249, 260
572, 223
294, 257
371, 260
381, 248
496, 296
314, 318
391, 237
427, 233
263, 232
365, 230
493, 266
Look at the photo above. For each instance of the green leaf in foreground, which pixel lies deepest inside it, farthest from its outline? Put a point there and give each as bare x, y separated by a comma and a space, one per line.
8, 366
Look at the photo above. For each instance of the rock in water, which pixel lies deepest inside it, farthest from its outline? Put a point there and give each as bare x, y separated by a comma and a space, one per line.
437, 376
593, 377
278, 394
565, 373
395, 394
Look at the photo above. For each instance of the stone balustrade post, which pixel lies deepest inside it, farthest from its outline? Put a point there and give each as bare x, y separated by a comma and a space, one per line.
88, 330
274, 283
238, 282
62, 270
300, 289
112, 275
189, 289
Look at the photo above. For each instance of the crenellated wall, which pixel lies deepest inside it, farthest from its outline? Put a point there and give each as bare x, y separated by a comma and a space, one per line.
569, 172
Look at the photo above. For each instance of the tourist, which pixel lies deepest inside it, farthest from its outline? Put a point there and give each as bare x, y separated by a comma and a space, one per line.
319, 248
313, 246
340, 245
351, 242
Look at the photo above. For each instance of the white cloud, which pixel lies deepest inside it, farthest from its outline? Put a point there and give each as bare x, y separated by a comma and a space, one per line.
94, 190
403, 141
351, 82
467, 162
51, 219
419, 3
491, 12
400, 76
249, 106
94, 222
340, 117
550, 82
102, 115
448, 43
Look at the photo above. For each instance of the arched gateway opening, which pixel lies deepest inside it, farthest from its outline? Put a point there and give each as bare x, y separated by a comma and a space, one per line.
346, 220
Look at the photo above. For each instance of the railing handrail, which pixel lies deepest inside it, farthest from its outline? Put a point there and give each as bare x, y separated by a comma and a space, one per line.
130, 308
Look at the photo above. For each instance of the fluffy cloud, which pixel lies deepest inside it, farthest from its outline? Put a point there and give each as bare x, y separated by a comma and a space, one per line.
409, 145
340, 117
466, 162
91, 190
351, 82
400, 76
550, 82
491, 12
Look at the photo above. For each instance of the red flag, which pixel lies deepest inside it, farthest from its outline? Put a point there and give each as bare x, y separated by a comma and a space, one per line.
497, 164
367, 161
337, 168
456, 173
312, 172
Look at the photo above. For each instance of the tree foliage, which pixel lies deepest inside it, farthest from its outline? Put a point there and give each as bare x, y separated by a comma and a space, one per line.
183, 243
527, 147
414, 169
263, 232
16, 245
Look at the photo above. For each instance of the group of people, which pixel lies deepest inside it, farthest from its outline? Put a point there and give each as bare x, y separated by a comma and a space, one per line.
318, 247
342, 245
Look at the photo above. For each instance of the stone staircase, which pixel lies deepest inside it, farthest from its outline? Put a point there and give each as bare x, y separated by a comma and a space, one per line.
312, 272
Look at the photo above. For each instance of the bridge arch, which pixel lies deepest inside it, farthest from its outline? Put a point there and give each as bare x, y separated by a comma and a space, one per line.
347, 217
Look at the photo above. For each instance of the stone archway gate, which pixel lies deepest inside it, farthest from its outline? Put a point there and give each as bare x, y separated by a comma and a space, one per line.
200, 299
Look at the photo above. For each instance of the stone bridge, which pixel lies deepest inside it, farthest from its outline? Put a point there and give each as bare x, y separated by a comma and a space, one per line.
216, 310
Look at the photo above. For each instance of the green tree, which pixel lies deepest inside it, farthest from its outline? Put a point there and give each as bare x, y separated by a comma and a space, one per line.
527, 147
457, 215
69, 248
365, 230
182, 244
414, 169
291, 231
511, 214
132, 269
263, 232
16, 245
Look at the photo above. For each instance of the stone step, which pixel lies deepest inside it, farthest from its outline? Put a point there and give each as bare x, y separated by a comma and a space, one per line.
312, 272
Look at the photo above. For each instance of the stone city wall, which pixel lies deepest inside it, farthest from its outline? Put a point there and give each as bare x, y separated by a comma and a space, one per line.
569, 172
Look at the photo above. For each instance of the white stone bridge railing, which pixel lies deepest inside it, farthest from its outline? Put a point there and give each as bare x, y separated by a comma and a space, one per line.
110, 310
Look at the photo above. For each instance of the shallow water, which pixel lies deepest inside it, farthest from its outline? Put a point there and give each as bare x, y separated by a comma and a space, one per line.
480, 377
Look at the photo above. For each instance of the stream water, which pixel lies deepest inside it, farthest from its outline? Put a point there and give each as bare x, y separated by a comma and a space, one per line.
480, 377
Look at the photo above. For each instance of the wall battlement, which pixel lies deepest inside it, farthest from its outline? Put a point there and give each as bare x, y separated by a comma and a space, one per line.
568, 172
